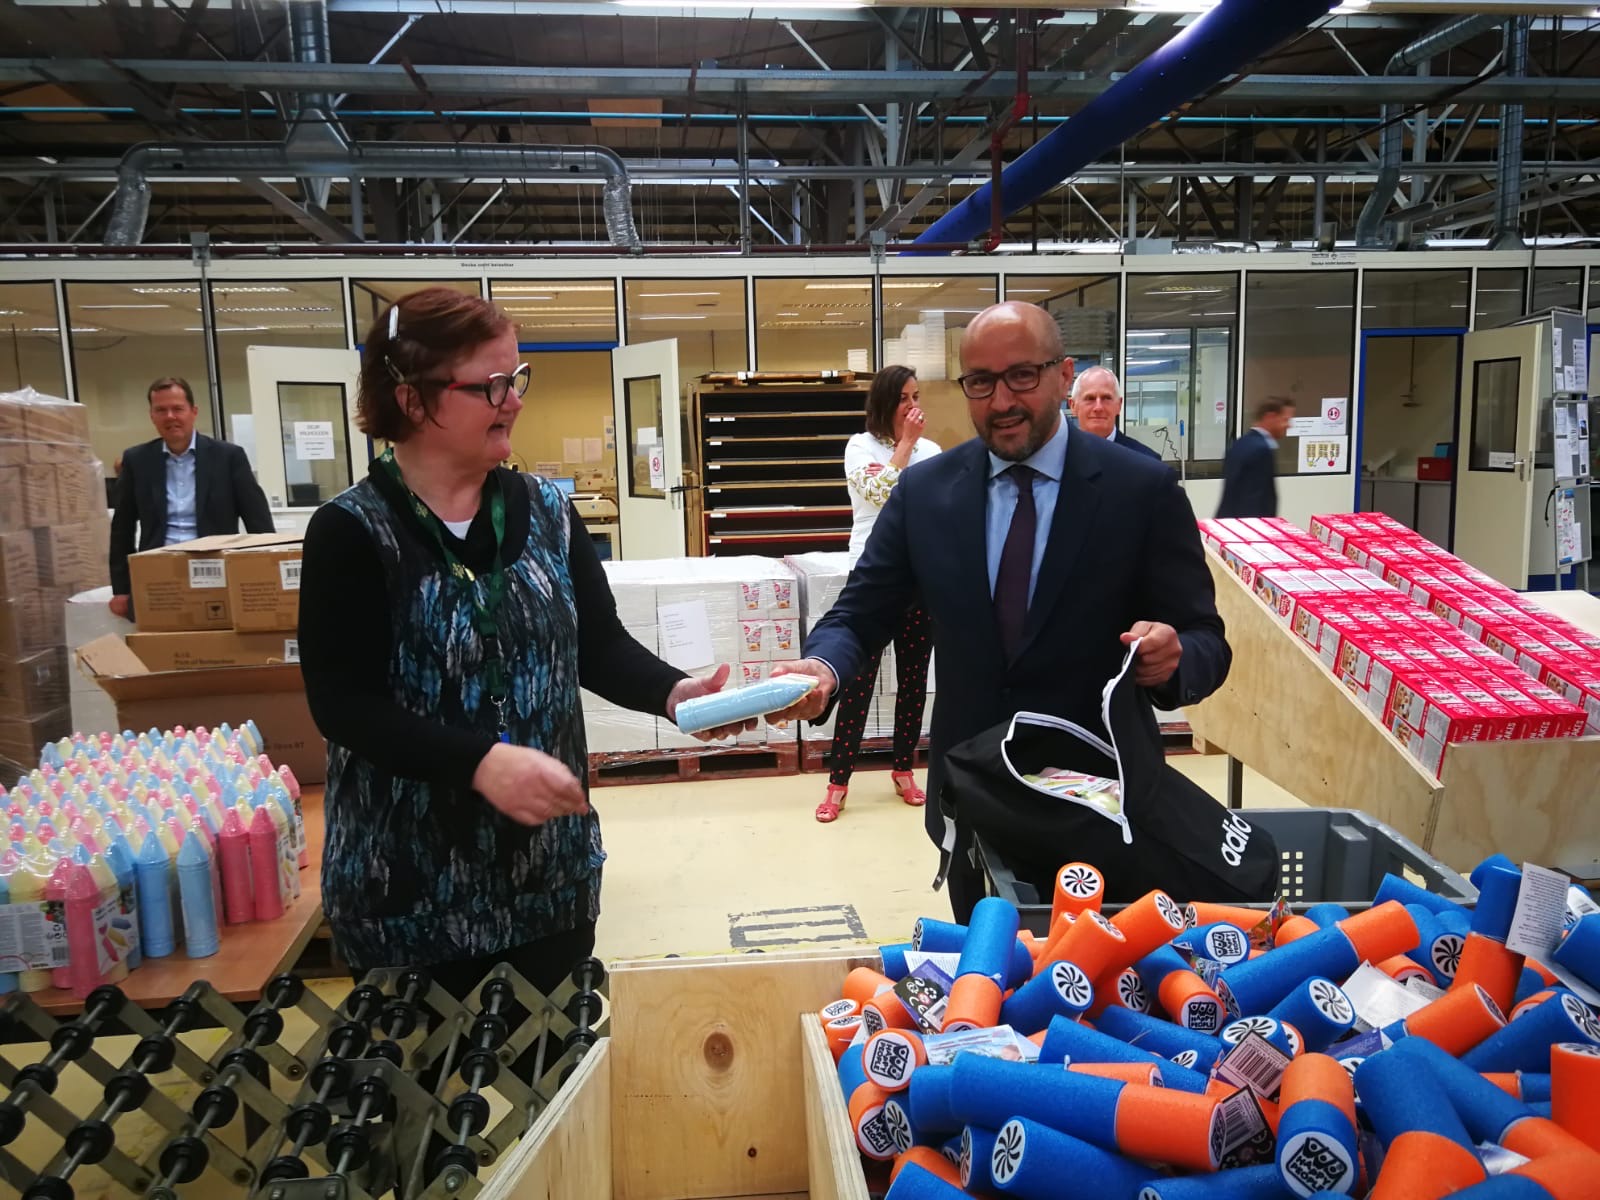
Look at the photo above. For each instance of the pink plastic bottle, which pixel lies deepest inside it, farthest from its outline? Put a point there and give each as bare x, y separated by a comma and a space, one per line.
55, 899
264, 850
238, 889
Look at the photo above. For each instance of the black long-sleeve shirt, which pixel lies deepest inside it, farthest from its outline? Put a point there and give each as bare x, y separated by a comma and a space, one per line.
346, 641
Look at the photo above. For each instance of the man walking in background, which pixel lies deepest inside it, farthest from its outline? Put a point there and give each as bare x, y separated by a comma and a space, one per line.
180, 486
1249, 484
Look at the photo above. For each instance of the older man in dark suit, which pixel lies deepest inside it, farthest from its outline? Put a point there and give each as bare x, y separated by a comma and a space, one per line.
178, 487
1097, 403
1039, 554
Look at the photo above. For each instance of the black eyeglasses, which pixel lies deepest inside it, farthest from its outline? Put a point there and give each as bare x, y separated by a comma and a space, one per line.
1019, 377
494, 389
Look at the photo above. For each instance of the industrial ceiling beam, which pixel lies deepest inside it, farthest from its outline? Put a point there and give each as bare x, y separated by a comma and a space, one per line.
841, 87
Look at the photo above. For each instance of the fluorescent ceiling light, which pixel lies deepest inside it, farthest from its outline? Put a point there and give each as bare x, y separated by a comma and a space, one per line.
1227, 313
673, 317
926, 287
561, 308
675, 295
838, 287
293, 308
98, 306
550, 287
1332, 307
1016, 291
75, 329
748, 5
11, 312
788, 314
532, 298
219, 289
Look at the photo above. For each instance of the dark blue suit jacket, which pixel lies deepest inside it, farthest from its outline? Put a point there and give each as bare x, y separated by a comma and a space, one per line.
1123, 547
1138, 447
1249, 478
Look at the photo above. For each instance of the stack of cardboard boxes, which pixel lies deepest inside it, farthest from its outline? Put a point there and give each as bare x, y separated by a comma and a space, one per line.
1431, 684
216, 641
696, 613
821, 577
54, 536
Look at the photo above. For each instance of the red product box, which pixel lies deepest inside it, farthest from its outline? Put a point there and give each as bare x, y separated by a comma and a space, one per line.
1316, 615
1279, 586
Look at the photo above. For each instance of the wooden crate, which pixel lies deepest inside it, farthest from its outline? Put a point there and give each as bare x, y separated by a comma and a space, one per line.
1283, 713
715, 1082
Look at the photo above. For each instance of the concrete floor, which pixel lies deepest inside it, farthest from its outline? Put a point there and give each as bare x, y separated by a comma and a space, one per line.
693, 868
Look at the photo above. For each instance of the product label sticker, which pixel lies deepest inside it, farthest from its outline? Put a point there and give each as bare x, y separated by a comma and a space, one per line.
1540, 913
208, 573
925, 993
1254, 1063
30, 940
1000, 1042
289, 575
1242, 1133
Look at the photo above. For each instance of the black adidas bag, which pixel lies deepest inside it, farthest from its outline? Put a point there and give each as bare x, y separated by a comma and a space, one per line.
1169, 833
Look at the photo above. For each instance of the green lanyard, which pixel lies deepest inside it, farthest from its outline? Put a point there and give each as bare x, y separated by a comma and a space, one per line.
485, 600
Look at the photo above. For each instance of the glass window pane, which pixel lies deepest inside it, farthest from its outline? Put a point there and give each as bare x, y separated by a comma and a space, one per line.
814, 324
923, 316
1496, 389
579, 314
371, 296
1594, 303
1557, 287
1085, 308
124, 337
1299, 335
1414, 299
1180, 366
289, 313
30, 340
1500, 296
316, 462
643, 397
707, 316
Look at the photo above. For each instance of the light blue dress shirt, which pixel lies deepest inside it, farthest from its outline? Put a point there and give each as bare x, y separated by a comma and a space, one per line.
181, 525
1049, 460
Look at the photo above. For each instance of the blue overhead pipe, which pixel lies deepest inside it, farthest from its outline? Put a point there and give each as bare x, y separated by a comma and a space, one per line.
1199, 56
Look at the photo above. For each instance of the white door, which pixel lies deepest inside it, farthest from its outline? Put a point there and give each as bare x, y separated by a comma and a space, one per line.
1500, 395
644, 383
305, 446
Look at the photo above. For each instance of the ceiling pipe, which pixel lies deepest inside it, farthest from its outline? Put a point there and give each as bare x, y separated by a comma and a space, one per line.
1369, 225
315, 127
1508, 206
131, 206
1197, 58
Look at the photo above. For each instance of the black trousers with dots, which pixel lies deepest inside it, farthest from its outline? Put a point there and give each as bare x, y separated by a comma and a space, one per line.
912, 649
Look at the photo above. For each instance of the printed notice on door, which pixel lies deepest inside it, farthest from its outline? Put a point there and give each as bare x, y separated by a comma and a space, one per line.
1324, 455
313, 440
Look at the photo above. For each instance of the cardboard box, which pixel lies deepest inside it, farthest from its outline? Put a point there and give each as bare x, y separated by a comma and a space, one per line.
263, 575
21, 739
13, 433
80, 490
19, 564
272, 696
39, 683
57, 424
201, 651
181, 587
74, 556
32, 622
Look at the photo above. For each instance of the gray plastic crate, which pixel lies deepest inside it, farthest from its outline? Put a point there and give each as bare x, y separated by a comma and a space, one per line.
1337, 855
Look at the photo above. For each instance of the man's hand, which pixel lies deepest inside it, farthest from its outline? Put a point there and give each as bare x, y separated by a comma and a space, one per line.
814, 702
687, 689
1160, 651
120, 606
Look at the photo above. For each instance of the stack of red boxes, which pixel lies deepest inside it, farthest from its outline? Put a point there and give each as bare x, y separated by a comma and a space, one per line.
1429, 681
1545, 647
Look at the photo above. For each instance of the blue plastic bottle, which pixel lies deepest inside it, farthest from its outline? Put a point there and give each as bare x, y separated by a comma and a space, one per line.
120, 856
198, 899
154, 872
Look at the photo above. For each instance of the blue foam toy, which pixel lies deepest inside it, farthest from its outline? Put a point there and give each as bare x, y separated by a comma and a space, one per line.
1487, 865
918, 1183
852, 1069
1326, 914
1397, 887
1319, 1009
1061, 990
988, 1092
1535, 1086
1161, 1036
1219, 941
945, 937
894, 960
1255, 986
1579, 951
1317, 1149
1504, 1187
977, 1155
1524, 1044
929, 1100
1498, 888
1244, 1183
1034, 1161
1068, 1041
991, 934
1396, 1097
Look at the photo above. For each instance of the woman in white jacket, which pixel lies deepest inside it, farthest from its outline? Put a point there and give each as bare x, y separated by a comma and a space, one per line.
872, 464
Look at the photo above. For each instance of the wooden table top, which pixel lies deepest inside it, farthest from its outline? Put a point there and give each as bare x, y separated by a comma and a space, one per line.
248, 956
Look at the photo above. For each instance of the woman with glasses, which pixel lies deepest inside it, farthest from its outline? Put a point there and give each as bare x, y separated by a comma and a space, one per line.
450, 611
873, 461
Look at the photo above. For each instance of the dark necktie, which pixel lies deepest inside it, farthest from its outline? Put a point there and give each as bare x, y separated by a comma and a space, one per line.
1016, 564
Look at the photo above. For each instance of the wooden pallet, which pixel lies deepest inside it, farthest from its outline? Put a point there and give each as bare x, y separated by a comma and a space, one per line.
677, 766
876, 754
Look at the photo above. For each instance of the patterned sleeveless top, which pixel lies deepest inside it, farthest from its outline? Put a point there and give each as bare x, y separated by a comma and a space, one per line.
419, 872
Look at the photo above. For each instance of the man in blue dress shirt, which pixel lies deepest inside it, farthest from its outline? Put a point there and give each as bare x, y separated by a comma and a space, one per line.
180, 486
1096, 404
1039, 554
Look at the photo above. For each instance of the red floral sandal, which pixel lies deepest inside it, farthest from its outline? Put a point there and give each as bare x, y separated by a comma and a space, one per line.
828, 810
905, 785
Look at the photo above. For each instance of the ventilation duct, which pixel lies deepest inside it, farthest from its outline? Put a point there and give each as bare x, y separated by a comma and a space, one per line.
131, 202
1508, 194
1369, 226
1215, 45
